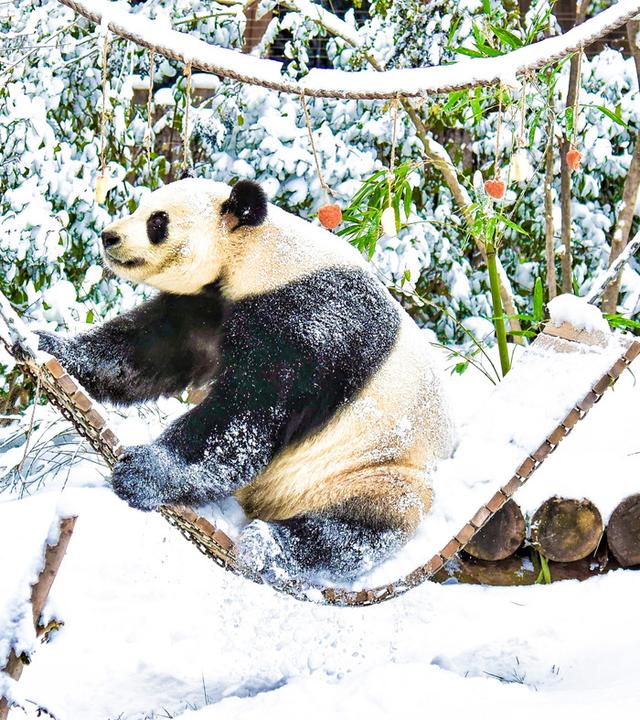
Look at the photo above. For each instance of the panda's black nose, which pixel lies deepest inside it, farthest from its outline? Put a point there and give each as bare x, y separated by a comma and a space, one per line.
109, 239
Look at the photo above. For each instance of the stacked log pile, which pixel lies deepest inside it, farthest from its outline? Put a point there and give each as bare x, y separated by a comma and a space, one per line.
564, 538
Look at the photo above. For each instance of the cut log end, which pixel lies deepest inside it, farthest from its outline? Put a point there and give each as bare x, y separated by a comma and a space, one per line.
566, 530
501, 536
623, 531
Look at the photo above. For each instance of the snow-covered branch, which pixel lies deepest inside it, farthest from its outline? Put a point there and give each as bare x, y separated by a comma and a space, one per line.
364, 84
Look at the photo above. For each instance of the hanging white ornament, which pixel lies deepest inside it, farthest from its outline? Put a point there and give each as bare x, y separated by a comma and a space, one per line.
520, 166
388, 222
102, 188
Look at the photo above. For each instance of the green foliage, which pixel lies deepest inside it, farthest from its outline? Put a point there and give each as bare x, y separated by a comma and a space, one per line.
361, 219
541, 564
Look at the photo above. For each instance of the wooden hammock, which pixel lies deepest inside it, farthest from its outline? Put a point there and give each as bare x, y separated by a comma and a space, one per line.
75, 404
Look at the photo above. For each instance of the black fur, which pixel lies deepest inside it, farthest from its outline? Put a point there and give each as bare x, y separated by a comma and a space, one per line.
248, 203
156, 349
312, 544
158, 227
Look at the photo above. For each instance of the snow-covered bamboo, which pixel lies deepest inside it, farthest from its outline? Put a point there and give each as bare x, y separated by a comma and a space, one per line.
364, 84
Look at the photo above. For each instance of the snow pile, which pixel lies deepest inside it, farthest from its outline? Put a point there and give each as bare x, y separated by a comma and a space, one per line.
577, 312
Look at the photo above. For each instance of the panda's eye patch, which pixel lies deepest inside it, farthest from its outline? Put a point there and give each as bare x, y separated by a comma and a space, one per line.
157, 227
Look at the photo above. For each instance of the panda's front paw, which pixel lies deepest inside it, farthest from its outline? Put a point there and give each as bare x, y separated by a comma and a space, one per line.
53, 344
141, 477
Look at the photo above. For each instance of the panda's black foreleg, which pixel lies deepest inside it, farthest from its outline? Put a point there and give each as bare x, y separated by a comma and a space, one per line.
159, 348
315, 544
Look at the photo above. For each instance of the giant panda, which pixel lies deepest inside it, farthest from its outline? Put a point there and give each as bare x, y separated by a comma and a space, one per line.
325, 414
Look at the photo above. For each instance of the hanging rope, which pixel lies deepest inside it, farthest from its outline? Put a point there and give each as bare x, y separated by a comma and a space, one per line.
394, 136
574, 156
149, 133
523, 111
307, 119
102, 180
185, 122
496, 156
388, 217
576, 102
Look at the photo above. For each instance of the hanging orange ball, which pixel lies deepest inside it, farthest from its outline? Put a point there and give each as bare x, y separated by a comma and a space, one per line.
330, 216
574, 158
495, 188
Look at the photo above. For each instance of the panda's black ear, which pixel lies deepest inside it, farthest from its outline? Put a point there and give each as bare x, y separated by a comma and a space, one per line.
247, 202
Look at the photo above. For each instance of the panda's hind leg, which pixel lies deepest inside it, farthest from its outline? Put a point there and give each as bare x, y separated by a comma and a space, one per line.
340, 542
314, 544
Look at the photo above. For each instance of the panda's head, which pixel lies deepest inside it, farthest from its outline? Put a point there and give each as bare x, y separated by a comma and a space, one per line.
180, 235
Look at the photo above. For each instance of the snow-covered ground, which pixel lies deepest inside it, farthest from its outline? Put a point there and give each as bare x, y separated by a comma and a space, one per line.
155, 630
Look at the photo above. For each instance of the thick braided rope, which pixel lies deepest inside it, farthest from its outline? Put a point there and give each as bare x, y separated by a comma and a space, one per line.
414, 82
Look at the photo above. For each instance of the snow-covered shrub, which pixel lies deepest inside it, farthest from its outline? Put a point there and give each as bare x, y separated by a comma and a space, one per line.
50, 110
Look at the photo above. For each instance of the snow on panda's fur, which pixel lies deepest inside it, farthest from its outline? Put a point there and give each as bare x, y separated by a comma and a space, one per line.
324, 417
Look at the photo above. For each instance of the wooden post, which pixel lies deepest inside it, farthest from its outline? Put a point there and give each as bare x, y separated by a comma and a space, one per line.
39, 592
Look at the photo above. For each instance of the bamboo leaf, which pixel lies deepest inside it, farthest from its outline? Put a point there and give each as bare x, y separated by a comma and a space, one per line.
612, 115
510, 224
513, 41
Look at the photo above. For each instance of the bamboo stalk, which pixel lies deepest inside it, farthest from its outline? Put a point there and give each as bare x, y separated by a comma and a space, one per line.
498, 313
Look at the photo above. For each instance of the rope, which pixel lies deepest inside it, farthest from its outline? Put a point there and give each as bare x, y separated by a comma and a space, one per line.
523, 112
185, 128
103, 115
576, 102
414, 82
149, 137
394, 138
307, 119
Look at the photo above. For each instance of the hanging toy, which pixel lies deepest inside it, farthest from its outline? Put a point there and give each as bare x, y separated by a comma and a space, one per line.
102, 180
329, 214
388, 222
388, 217
520, 166
495, 188
574, 156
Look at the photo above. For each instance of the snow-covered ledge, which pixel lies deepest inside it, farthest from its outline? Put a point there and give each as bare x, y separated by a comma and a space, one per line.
363, 84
